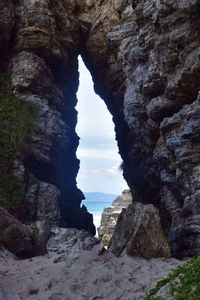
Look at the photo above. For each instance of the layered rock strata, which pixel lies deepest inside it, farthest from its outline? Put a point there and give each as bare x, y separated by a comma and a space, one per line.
44, 73
110, 215
144, 60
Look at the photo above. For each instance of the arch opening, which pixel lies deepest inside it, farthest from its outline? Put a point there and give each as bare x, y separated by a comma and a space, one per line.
99, 176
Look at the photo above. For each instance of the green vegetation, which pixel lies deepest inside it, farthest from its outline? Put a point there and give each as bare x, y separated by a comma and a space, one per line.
184, 283
17, 122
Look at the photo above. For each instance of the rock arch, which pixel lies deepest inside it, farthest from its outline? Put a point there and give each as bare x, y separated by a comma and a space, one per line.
146, 71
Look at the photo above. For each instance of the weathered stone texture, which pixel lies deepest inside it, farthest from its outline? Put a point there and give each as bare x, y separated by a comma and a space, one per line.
40, 70
144, 60
66, 244
140, 232
6, 27
110, 215
15, 236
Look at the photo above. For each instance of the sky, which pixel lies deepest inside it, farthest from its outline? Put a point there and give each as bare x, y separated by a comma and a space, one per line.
98, 151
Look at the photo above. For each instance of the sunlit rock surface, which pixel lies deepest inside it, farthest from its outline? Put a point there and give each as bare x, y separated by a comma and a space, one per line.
144, 60
139, 231
65, 244
110, 215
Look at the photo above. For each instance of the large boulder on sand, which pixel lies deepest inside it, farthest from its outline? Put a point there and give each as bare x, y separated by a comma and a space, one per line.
15, 236
140, 232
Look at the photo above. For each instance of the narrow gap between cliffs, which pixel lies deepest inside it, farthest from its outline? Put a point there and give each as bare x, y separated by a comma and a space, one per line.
99, 176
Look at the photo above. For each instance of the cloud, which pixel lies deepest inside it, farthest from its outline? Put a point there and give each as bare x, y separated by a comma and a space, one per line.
98, 151
92, 173
94, 118
110, 172
90, 153
114, 171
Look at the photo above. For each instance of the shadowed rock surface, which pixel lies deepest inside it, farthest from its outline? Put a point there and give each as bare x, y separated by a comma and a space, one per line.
15, 236
144, 60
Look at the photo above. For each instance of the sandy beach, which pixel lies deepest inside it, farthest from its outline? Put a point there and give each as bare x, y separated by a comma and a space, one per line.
90, 277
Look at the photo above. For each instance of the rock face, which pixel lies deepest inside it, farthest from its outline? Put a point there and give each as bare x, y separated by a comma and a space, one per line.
45, 74
110, 215
144, 60
61, 244
14, 236
140, 232
66, 244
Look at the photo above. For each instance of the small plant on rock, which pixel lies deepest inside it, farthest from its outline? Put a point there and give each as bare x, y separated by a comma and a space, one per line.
184, 283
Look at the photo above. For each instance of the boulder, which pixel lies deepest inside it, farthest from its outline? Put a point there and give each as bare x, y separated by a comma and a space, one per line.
140, 232
66, 244
41, 231
15, 236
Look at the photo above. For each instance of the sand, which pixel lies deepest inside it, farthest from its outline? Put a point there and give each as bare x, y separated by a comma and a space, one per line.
90, 277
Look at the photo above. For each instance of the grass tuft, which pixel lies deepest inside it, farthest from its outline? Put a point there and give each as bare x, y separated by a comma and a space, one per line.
17, 120
184, 283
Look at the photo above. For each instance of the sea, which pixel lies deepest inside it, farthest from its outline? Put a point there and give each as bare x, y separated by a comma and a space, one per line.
96, 208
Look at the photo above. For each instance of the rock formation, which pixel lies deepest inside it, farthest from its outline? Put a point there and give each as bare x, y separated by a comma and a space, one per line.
110, 215
15, 236
139, 231
66, 244
45, 74
133, 226
144, 60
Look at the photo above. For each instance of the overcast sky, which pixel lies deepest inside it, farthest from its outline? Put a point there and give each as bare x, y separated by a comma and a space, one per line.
98, 152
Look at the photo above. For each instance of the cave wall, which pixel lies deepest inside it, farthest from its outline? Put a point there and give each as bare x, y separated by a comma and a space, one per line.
144, 60
43, 66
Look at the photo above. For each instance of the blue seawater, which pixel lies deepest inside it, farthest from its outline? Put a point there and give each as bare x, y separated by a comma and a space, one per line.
96, 207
